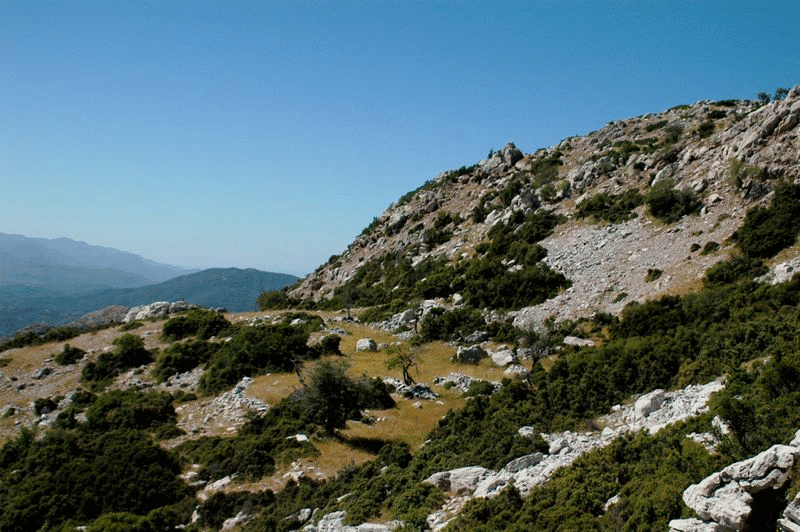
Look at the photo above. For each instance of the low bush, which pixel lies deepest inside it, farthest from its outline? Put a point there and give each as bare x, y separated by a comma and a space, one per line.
254, 351
613, 208
652, 275
183, 357
328, 345
129, 352
69, 355
196, 322
670, 205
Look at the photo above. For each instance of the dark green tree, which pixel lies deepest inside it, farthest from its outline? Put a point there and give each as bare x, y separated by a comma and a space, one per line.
331, 397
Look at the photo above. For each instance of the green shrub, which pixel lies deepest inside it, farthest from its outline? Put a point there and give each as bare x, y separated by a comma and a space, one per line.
328, 345
69, 355
131, 325
766, 231
129, 352
132, 409
710, 247
441, 324
183, 357
196, 322
706, 129
44, 405
254, 351
613, 208
652, 274
274, 299
375, 314
670, 205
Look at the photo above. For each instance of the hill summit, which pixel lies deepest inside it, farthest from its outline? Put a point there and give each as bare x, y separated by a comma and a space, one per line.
637, 196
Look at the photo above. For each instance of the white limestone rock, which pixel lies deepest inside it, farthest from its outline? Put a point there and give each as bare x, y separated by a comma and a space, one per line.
648, 403
366, 344
463, 480
504, 358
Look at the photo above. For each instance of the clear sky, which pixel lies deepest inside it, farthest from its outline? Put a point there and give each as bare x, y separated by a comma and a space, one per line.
269, 134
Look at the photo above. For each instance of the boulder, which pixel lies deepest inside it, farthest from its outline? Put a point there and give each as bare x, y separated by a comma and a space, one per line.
648, 403
518, 464
366, 344
694, 525
470, 355
580, 342
724, 499
504, 358
476, 336
790, 519
462, 481
511, 154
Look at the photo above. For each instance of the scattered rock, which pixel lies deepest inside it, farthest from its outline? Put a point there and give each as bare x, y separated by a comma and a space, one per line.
504, 358
417, 391
459, 381
580, 342
724, 498
366, 344
157, 309
470, 355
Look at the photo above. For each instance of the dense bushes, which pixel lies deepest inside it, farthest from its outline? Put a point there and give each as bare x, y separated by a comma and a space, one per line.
766, 231
196, 322
183, 357
670, 205
613, 208
254, 351
440, 324
132, 409
129, 352
80, 475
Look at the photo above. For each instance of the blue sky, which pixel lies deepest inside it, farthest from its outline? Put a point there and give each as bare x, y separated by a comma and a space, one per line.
269, 134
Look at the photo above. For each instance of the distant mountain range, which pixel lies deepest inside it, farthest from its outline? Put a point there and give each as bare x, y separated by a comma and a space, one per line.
59, 280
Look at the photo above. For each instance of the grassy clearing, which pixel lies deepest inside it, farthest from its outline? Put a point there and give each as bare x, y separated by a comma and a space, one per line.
406, 423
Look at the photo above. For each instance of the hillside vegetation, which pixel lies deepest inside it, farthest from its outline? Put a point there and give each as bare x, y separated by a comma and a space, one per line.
643, 256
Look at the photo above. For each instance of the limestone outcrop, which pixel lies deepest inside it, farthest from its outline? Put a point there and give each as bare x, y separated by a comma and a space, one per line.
157, 309
655, 411
724, 499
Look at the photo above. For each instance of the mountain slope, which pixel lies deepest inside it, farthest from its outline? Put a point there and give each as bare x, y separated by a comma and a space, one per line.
728, 156
656, 231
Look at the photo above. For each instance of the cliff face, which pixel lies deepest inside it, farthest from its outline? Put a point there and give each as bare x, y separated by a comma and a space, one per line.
729, 154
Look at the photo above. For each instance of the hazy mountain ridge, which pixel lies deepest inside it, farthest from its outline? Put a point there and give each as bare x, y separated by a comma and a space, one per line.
231, 288
73, 267
54, 281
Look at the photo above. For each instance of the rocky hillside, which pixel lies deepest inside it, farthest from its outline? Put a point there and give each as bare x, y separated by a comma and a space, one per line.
602, 335
729, 154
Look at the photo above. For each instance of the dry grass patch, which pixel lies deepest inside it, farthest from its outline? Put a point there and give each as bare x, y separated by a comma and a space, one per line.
273, 387
405, 422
